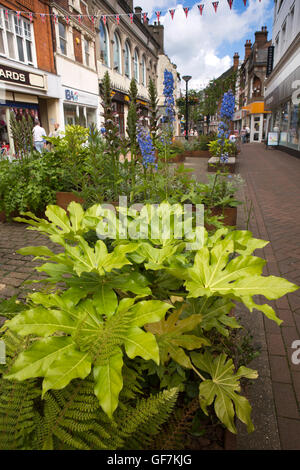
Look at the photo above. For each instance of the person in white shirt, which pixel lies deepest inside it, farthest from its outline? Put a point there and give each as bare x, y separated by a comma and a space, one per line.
38, 137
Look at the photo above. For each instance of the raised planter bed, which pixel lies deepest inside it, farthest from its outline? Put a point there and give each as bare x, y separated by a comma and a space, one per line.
214, 165
229, 213
63, 199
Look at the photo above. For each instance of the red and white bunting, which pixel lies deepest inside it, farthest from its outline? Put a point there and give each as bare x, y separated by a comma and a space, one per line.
158, 13
43, 17
55, 18
93, 19
145, 17
30, 17
79, 17
118, 19
201, 8
172, 13
6, 14
186, 11
104, 19
18, 15
245, 3
230, 2
131, 17
215, 5
67, 20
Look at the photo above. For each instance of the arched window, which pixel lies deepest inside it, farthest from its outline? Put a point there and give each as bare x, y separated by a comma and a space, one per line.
104, 44
117, 53
144, 72
127, 60
136, 66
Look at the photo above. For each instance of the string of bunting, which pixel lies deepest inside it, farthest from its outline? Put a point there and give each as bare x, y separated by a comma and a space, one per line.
93, 18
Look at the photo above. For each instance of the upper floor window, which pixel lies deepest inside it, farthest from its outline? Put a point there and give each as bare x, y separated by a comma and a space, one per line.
104, 44
127, 60
16, 40
136, 66
62, 37
86, 52
144, 80
117, 54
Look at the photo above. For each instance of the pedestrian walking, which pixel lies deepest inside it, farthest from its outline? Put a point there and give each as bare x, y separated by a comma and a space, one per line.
56, 132
247, 134
38, 137
243, 135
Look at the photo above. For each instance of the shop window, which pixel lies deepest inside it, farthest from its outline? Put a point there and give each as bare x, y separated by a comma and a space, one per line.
62, 37
136, 66
127, 60
16, 41
294, 128
117, 53
104, 44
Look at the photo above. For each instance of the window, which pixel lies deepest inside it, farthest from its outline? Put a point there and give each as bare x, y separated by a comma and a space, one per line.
136, 65
127, 60
86, 52
144, 80
117, 54
62, 38
104, 48
16, 40
283, 40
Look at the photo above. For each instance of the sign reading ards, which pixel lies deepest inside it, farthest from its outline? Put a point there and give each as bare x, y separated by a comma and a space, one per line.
21, 77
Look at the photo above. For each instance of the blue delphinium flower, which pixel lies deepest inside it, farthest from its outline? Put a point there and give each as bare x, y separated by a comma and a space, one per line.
147, 148
226, 115
169, 95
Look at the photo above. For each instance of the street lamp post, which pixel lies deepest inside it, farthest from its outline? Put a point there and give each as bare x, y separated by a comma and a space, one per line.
186, 78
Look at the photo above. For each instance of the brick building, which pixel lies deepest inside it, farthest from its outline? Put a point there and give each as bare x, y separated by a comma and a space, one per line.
29, 84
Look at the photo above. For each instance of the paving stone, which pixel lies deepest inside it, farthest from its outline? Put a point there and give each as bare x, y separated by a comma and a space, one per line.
285, 401
289, 431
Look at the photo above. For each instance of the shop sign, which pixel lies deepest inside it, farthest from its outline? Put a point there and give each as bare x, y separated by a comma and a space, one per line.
21, 77
273, 138
71, 95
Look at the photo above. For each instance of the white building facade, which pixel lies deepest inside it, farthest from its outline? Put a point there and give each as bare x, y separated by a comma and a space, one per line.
282, 95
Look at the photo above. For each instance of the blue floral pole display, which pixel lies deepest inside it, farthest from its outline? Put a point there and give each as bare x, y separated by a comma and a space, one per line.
147, 148
169, 96
226, 114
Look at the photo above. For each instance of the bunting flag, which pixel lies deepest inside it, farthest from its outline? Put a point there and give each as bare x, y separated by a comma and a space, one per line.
145, 17
79, 18
104, 19
93, 19
230, 2
131, 17
186, 11
6, 14
158, 13
18, 15
43, 17
245, 3
215, 5
55, 18
201, 8
67, 19
172, 13
30, 17
118, 19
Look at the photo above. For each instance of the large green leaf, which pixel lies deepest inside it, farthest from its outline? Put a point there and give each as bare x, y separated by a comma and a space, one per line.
109, 382
36, 361
222, 389
139, 343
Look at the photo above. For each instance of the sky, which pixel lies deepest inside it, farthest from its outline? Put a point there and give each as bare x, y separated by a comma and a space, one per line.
203, 47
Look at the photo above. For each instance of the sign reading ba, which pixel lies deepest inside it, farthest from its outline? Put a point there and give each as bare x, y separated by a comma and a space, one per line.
71, 95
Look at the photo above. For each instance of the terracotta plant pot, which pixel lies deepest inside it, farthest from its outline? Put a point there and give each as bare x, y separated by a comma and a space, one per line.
229, 213
63, 199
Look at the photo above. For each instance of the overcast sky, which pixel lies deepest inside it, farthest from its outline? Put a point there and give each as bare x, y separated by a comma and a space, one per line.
204, 46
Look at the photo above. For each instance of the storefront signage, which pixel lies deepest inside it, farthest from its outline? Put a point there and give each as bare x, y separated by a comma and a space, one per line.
21, 77
71, 95
273, 138
270, 60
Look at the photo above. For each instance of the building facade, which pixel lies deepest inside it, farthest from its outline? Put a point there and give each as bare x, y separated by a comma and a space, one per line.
29, 85
164, 63
283, 84
251, 87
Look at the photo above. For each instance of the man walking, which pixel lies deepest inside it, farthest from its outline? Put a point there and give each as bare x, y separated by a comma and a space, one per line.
38, 136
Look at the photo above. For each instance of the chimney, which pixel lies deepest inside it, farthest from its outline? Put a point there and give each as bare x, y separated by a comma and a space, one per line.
157, 32
138, 12
261, 37
248, 47
236, 61
130, 4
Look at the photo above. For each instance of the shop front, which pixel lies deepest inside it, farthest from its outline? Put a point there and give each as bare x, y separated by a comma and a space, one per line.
256, 120
284, 104
79, 107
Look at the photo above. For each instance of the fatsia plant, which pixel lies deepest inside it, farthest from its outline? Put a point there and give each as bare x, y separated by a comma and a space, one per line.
72, 338
118, 299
